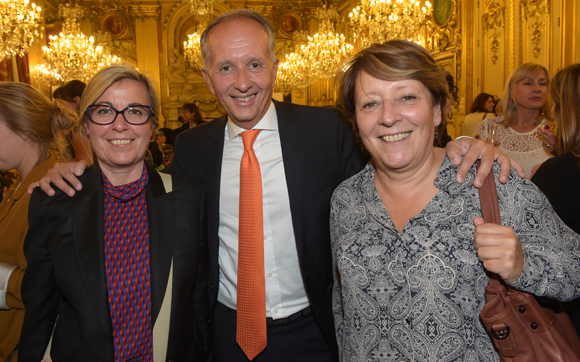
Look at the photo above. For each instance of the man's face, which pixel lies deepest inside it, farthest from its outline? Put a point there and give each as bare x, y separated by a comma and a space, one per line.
241, 74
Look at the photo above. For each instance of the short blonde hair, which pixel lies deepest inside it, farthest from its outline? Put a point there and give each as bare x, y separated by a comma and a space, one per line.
28, 113
105, 78
509, 105
565, 92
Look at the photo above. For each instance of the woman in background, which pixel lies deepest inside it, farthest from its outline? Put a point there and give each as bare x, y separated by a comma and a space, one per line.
482, 108
559, 177
29, 124
523, 105
69, 96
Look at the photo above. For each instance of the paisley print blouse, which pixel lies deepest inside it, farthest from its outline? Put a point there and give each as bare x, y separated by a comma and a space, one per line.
416, 296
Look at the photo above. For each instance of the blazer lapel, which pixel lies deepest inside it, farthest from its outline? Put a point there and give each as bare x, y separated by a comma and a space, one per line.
161, 219
293, 154
88, 234
213, 148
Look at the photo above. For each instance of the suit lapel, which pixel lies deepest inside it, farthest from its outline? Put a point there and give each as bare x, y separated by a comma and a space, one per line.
161, 219
213, 149
293, 154
88, 234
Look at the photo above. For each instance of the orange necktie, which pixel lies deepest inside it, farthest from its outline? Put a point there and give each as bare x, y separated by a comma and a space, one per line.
251, 304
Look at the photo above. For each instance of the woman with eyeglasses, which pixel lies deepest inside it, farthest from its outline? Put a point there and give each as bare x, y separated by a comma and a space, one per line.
118, 273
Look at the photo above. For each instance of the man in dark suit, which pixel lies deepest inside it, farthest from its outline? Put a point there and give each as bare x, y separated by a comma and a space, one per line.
303, 153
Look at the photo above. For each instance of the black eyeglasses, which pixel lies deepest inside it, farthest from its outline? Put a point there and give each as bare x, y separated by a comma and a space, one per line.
103, 114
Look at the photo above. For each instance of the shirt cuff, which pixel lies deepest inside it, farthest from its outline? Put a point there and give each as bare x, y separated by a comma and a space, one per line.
5, 272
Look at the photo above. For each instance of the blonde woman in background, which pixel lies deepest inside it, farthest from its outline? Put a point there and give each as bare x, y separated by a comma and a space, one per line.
29, 124
523, 107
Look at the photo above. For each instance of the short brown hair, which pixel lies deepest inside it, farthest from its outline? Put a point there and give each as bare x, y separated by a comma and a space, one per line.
391, 61
193, 108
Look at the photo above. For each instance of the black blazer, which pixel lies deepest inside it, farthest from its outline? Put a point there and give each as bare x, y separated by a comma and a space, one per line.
319, 151
66, 271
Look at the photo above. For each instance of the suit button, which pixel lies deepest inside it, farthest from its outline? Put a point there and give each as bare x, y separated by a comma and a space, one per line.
211, 286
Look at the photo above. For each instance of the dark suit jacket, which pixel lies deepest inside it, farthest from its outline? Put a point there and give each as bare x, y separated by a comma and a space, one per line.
319, 151
66, 271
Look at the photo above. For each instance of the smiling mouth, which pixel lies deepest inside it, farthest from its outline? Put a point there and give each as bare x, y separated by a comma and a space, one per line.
121, 142
244, 99
396, 137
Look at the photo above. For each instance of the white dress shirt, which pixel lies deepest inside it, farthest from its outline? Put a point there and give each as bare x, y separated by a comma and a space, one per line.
285, 293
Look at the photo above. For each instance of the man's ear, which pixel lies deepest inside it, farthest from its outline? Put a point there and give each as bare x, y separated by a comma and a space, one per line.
208, 80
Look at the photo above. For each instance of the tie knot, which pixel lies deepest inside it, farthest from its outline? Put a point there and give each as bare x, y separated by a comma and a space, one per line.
248, 137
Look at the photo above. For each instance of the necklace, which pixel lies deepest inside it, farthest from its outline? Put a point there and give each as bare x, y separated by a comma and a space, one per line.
16, 189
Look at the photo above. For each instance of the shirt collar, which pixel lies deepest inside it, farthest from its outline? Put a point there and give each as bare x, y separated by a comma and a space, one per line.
268, 122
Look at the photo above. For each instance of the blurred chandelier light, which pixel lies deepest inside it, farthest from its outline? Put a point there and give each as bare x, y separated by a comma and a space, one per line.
326, 50
192, 49
19, 24
293, 72
376, 21
71, 55
203, 8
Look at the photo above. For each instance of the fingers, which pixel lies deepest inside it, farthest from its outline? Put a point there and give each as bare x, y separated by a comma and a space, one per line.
499, 249
59, 174
31, 187
548, 140
453, 151
486, 152
470, 149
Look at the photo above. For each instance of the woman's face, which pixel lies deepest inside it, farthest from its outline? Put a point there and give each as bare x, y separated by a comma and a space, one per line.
396, 120
489, 105
120, 146
531, 92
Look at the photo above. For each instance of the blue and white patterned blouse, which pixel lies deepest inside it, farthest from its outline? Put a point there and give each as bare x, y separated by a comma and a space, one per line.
416, 296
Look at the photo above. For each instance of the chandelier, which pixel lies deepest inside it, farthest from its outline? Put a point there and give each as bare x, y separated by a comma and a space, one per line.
19, 23
293, 72
203, 8
314, 57
71, 55
326, 50
376, 21
192, 48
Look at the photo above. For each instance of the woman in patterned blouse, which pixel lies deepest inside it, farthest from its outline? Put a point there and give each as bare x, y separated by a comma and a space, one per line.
409, 272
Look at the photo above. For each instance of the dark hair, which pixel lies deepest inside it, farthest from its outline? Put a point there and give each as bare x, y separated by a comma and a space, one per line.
393, 60
69, 91
192, 107
479, 102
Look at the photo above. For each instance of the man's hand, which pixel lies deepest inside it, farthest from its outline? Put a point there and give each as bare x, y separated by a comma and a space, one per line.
472, 150
499, 249
57, 176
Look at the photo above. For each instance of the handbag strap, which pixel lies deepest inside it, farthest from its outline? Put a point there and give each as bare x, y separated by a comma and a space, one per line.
490, 211
489, 200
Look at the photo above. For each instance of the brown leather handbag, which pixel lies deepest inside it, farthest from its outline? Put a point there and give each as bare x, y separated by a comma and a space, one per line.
523, 327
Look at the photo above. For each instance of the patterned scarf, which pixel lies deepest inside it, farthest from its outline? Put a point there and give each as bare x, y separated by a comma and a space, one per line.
127, 269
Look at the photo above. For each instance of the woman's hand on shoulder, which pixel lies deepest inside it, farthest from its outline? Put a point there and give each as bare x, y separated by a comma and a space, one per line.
472, 150
57, 175
499, 249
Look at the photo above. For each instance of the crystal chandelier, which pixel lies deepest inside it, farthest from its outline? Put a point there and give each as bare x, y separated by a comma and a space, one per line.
203, 8
376, 21
19, 24
293, 72
192, 49
71, 55
326, 50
